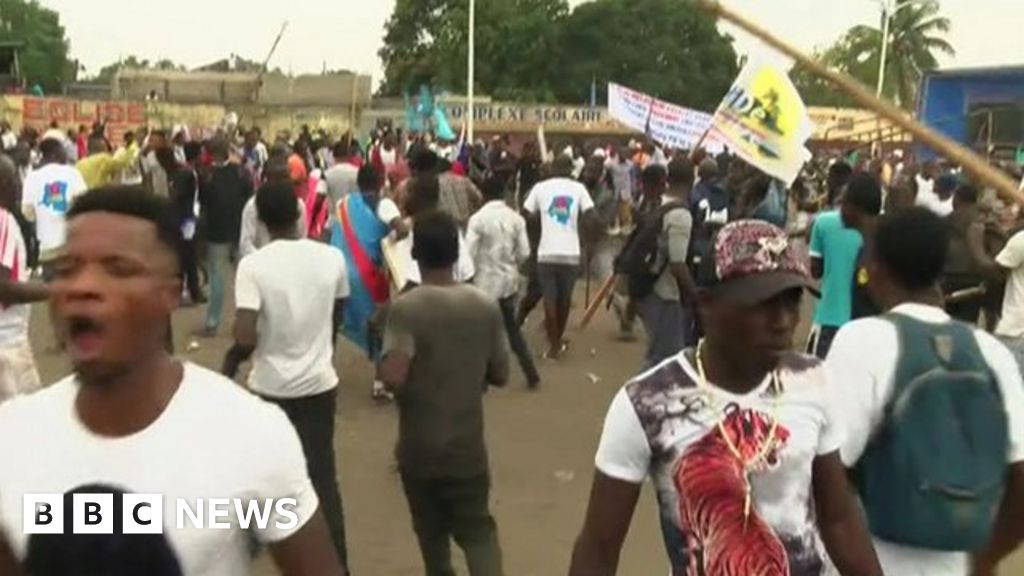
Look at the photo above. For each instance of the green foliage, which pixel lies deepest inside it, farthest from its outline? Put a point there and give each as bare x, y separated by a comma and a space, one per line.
537, 50
916, 35
668, 48
426, 42
44, 60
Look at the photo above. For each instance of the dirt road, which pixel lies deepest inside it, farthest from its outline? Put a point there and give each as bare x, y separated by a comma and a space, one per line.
541, 449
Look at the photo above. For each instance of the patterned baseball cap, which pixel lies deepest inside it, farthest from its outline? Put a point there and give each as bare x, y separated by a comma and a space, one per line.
755, 262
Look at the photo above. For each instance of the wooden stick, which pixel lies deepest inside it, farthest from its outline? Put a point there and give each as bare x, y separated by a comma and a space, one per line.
959, 154
602, 295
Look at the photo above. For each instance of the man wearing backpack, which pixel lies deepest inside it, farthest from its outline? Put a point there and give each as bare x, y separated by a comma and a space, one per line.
935, 415
654, 262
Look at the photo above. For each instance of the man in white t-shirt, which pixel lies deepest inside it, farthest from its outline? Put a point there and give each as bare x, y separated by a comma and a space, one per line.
134, 420
564, 208
740, 437
290, 296
342, 178
18, 373
1011, 323
254, 234
47, 194
905, 264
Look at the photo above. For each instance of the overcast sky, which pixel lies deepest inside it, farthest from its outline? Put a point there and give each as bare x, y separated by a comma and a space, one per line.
348, 33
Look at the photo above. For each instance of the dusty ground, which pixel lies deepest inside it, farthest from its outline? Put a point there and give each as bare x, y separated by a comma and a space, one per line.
541, 448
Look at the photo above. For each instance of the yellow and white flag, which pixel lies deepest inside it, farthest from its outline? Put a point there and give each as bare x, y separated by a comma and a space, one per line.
765, 122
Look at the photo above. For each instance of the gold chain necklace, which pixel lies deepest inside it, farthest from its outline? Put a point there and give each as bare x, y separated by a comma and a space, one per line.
766, 446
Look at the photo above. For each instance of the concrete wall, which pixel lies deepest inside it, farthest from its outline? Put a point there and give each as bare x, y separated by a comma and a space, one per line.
332, 90
235, 89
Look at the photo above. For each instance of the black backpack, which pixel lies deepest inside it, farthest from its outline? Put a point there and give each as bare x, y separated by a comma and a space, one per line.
638, 261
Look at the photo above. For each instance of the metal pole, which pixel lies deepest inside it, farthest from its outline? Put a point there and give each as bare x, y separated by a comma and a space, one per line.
471, 73
886, 18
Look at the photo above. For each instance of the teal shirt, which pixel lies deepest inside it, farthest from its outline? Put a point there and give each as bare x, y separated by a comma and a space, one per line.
838, 246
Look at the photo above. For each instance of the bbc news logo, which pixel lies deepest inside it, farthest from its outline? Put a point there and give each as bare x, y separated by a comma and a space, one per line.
144, 513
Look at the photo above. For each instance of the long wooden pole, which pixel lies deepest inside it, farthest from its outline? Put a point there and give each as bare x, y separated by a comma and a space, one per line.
603, 294
959, 154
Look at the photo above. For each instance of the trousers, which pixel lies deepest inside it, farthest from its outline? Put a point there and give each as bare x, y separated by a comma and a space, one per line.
446, 508
313, 419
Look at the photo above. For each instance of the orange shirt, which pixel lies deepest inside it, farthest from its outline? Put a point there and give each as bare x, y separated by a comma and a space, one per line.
299, 175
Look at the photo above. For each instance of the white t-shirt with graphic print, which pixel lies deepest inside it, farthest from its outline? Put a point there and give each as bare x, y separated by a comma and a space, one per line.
663, 425
50, 190
213, 440
560, 202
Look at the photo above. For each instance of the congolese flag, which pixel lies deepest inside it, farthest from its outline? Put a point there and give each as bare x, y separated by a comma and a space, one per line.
357, 232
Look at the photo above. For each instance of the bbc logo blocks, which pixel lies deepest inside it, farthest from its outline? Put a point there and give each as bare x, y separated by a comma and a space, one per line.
93, 514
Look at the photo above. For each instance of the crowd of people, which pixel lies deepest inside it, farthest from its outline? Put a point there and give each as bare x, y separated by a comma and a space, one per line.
894, 446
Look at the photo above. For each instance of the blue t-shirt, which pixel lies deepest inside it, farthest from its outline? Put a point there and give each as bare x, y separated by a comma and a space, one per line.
838, 246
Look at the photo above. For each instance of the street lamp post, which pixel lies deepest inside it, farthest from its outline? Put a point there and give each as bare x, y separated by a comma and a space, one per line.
886, 19
471, 73
888, 12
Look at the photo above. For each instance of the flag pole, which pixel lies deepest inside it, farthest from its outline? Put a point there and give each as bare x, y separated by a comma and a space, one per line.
954, 151
470, 74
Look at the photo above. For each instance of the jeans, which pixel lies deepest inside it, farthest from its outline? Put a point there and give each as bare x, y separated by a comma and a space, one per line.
533, 294
190, 269
517, 342
666, 323
446, 508
313, 419
218, 265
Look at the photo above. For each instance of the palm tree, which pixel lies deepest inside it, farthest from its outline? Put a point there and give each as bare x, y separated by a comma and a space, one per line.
917, 33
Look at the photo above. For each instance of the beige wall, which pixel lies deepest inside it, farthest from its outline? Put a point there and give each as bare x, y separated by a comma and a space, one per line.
236, 89
199, 118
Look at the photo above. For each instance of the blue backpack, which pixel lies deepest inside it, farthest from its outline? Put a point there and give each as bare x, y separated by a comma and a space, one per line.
933, 476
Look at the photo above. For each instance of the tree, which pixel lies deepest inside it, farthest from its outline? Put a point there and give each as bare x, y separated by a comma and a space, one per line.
916, 35
426, 42
44, 60
817, 91
667, 48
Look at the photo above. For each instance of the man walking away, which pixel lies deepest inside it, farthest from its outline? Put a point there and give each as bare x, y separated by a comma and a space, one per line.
443, 345
342, 178
47, 195
498, 243
620, 168
289, 297
710, 209
654, 260
935, 415
221, 200
184, 182
18, 373
834, 251
563, 207
966, 258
